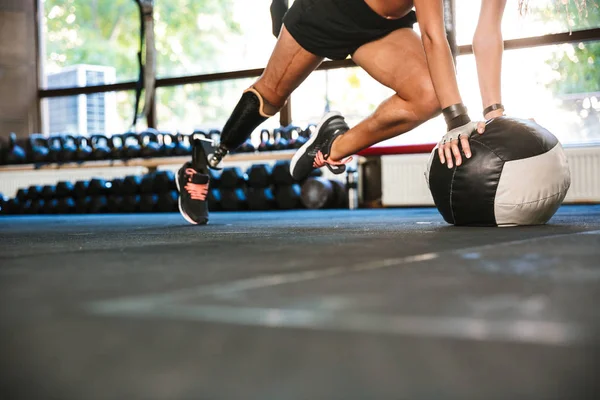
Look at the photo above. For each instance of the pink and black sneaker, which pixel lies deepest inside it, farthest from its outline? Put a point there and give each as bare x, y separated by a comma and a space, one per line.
315, 152
192, 184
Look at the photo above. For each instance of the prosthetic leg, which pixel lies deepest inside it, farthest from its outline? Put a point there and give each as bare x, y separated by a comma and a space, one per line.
247, 115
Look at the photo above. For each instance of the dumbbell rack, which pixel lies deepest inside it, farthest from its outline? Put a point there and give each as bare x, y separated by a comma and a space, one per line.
151, 164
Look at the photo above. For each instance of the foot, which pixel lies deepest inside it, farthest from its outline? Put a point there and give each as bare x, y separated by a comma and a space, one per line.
193, 190
315, 152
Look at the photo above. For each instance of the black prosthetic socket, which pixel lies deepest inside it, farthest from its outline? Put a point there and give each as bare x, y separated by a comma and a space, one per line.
246, 116
244, 119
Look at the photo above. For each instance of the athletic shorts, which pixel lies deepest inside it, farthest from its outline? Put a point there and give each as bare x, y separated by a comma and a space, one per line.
337, 28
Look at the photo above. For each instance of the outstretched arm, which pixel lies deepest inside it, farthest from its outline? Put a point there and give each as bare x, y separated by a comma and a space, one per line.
430, 15
488, 47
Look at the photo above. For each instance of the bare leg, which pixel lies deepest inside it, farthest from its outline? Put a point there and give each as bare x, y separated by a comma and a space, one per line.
398, 62
287, 68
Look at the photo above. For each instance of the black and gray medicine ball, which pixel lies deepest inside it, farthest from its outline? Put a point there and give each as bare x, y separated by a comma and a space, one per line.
518, 175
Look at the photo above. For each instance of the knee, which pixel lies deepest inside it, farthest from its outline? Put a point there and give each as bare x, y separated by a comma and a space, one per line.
426, 104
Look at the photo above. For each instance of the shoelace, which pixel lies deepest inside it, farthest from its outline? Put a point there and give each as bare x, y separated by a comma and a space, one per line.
197, 191
321, 161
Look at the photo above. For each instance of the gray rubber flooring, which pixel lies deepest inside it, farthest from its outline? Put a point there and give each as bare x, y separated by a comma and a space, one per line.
368, 304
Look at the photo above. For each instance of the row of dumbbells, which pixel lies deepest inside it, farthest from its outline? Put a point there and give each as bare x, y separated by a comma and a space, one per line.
271, 187
155, 192
39, 149
261, 187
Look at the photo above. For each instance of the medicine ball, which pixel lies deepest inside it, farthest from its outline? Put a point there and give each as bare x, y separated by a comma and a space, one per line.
517, 175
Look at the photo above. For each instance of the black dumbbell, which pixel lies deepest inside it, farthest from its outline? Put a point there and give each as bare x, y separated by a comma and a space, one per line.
214, 177
22, 195
114, 204
234, 199
97, 204
261, 199
131, 185
287, 197
33, 207
214, 200
80, 189
99, 187
147, 183
34, 192
168, 143
281, 173
48, 192
3, 205
116, 188
50, 206
318, 192
66, 205
259, 175
100, 147
15, 206
64, 189
82, 204
148, 202
232, 177
14, 154
37, 148
130, 204
167, 201
150, 144
164, 181
183, 145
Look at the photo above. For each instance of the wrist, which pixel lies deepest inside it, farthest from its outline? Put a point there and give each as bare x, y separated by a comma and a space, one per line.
456, 115
493, 114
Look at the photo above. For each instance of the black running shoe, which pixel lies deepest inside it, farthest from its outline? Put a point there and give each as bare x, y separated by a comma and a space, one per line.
315, 152
192, 184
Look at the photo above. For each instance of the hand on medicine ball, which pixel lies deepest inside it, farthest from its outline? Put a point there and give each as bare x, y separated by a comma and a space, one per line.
448, 146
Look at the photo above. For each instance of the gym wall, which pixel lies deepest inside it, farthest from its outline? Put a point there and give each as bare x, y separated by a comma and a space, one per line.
19, 110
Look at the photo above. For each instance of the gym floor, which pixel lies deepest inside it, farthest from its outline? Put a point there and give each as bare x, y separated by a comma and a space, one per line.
366, 304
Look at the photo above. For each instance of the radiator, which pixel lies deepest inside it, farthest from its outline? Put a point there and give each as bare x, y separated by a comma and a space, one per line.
403, 180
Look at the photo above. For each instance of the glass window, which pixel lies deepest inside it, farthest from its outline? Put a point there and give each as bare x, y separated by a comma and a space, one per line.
555, 85
205, 106
200, 37
90, 42
541, 17
192, 37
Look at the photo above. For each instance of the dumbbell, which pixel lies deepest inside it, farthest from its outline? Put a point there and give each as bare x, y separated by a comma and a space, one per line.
49, 206
114, 203
281, 173
80, 189
232, 177
318, 192
287, 197
97, 204
164, 181
131, 146
148, 202
34, 192
234, 199
261, 199
48, 192
131, 185
83, 150
167, 201
14, 206
259, 175
150, 144
99, 187
34, 207
22, 195
214, 200
147, 183
64, 189
214, 177
66, 205
130, 204
3, 205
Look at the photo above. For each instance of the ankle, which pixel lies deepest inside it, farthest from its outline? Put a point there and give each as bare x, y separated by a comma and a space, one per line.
334, 151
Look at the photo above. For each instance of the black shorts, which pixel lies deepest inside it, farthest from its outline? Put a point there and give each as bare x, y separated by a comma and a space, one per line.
337, 28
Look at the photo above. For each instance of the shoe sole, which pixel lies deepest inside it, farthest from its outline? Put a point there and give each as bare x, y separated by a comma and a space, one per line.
183, 213
302, 150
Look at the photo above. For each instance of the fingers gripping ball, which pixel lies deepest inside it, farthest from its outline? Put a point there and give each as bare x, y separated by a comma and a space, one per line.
518, 175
